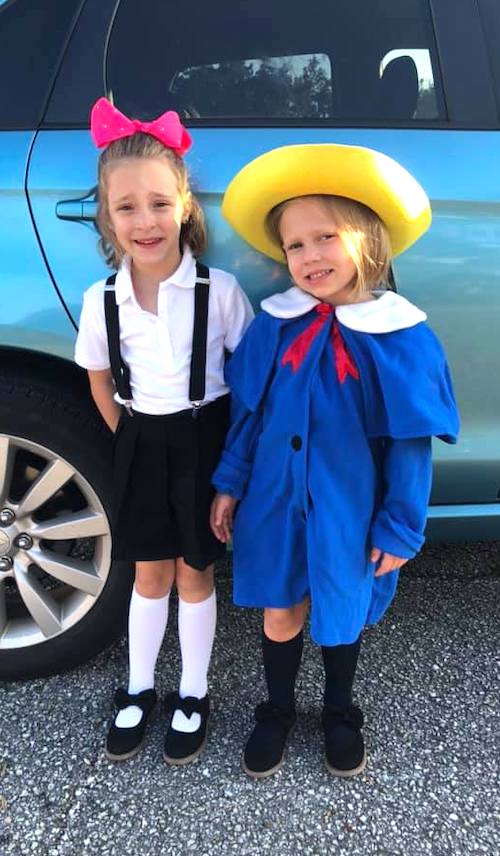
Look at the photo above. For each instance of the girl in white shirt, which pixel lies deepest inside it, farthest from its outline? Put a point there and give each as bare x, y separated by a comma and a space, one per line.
155, 367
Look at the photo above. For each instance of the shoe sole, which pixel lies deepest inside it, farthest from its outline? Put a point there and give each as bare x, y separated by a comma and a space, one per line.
254, 774
258, 774
127, 755
347, 774
179, 762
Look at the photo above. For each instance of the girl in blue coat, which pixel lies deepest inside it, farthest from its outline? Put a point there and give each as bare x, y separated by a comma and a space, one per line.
338, 387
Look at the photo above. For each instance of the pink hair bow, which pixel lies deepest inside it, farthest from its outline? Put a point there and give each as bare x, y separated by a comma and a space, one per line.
108, 124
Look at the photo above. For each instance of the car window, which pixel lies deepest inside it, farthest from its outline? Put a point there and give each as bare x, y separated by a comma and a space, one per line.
490, 15
32, 36
285, 60
281, 86
80, 80
418, 61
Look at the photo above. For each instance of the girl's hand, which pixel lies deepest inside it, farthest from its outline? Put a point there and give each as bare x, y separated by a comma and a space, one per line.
388, 561
102, 388
221, 516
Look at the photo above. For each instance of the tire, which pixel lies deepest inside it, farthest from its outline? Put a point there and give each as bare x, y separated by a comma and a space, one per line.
61, 599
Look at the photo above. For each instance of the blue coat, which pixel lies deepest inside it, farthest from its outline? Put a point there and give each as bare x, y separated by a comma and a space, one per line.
326, 469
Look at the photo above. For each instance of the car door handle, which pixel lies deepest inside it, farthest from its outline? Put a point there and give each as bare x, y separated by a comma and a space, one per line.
76, 209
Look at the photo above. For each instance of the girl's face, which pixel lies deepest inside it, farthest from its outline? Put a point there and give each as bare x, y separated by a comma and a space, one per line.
316, 258
146, 212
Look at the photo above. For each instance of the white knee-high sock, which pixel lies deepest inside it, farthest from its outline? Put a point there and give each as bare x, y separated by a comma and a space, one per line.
147, 621
196, 637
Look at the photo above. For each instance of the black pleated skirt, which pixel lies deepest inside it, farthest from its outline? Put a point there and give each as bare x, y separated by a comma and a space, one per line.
162, 467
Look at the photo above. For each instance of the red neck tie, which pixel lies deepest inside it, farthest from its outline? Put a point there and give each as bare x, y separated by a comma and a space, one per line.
297, 351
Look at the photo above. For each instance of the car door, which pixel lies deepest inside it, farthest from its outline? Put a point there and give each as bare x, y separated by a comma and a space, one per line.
411, 79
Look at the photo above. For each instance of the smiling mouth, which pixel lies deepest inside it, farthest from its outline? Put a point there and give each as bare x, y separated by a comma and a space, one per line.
148, 242
319, 275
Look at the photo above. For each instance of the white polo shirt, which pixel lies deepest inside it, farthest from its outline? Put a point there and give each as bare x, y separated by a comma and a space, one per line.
157, 348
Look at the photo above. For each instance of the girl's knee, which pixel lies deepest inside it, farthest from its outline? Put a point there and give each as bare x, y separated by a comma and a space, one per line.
154, 579
193, 586
280, 625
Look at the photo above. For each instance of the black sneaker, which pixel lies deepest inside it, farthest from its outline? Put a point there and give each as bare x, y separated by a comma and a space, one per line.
182, 747
345, 752
123, 743
266, 746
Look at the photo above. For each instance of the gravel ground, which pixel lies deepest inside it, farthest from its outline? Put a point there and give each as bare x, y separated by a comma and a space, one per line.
428, 684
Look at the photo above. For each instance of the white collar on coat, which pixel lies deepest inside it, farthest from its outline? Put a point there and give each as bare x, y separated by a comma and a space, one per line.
389, 312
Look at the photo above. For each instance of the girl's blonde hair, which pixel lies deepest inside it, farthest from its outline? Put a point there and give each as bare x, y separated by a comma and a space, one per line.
362, 232
193, 232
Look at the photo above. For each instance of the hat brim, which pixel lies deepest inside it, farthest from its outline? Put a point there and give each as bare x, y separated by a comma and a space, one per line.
355, 172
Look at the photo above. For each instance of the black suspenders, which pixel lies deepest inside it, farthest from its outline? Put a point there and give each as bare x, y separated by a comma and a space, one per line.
120, 370
199, 349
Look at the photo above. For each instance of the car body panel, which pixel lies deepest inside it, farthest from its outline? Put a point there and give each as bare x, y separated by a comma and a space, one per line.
32, 316
452, 272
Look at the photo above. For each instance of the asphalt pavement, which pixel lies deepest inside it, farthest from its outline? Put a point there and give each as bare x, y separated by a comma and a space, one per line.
428, 683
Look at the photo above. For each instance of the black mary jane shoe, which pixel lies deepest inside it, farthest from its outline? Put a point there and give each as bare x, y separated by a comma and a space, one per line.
183, 747
345, 752
124, 743
266, 747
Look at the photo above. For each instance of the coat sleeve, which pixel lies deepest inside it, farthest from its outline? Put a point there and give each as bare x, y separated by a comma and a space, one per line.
399, 524
406, 384
234, 468
248, 374
250, 368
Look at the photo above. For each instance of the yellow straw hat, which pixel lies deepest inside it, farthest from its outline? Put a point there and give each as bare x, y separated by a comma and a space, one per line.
358, 173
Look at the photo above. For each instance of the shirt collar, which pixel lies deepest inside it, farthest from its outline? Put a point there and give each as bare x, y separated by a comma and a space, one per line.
184, 276
389, 312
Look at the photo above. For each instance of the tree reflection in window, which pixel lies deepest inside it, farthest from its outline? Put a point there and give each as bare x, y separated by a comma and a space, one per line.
284, 87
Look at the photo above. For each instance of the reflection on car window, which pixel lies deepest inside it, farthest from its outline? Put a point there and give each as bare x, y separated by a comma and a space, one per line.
426, 106
274, 86
285, 60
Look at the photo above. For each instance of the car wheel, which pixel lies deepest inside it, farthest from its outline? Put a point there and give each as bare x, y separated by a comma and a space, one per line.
61, 598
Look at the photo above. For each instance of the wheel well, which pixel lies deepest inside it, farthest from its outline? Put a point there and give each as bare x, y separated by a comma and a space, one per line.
35, 366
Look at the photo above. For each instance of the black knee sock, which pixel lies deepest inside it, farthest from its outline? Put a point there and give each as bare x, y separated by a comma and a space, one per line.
281, 664
340, 667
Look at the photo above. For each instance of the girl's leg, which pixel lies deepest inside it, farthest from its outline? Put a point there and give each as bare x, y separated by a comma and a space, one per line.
148, 615
282, 643
197, 617
342, 721
340, 663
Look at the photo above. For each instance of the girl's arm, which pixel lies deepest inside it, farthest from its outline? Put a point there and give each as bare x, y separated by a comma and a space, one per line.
397, 532
92, 354
102, 388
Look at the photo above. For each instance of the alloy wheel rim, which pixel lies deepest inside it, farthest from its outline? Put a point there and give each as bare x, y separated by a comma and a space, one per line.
51, 584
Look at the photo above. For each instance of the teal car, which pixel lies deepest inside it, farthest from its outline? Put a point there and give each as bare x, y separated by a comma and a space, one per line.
416, 79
